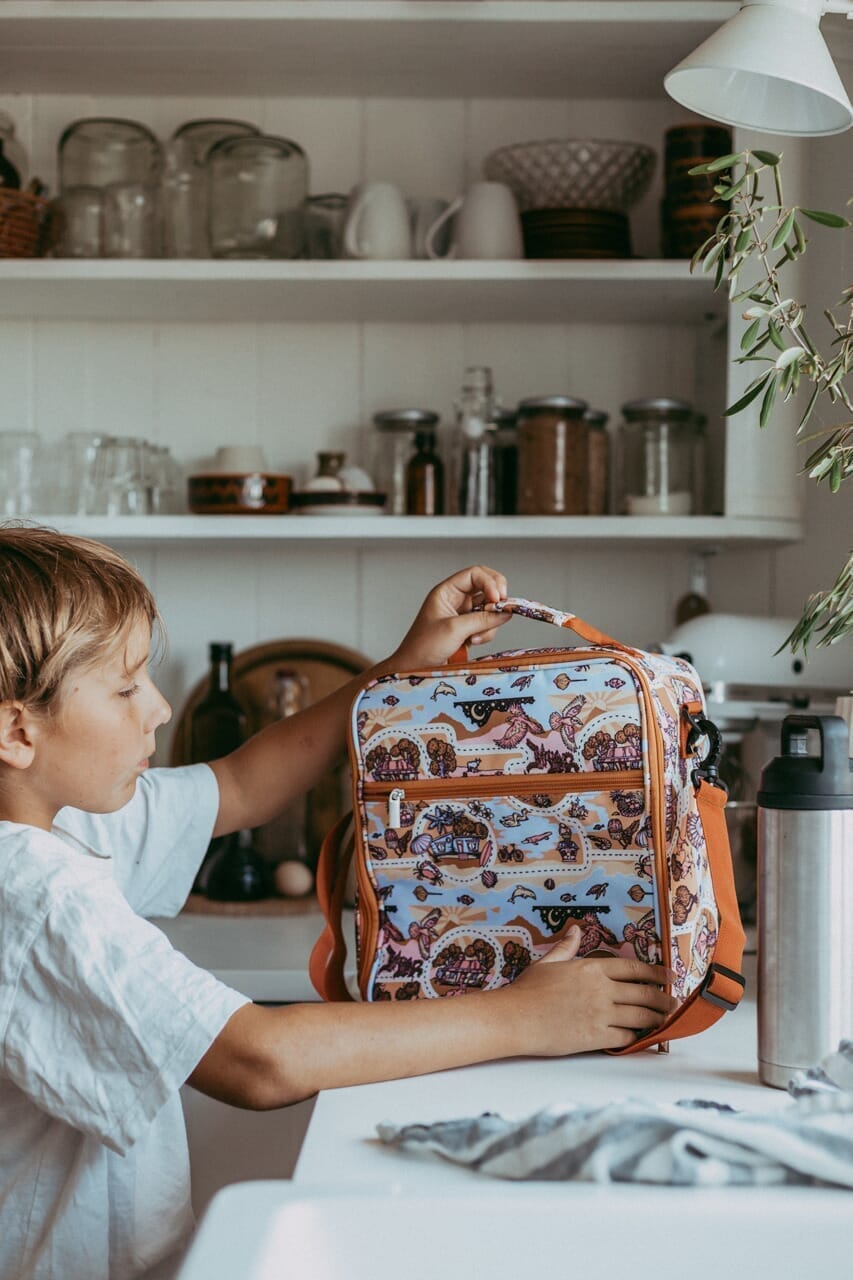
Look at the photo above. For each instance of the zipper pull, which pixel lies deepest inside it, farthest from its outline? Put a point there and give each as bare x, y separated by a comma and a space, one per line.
394, 799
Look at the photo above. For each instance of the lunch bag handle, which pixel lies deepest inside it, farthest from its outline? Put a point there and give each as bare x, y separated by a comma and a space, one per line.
544, 613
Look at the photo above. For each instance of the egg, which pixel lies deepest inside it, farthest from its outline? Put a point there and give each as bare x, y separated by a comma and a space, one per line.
293, 879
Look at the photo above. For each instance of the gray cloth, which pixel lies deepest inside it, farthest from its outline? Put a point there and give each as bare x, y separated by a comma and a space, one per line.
688, 1143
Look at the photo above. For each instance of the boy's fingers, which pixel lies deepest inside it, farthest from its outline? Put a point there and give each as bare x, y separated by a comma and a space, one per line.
636, 971
566, 948
640, 993
635, 1016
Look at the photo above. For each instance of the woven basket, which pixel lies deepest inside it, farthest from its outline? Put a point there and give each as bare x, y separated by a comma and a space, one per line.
23, 224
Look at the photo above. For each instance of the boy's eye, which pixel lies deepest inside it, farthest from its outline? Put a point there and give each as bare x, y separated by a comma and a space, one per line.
128, 693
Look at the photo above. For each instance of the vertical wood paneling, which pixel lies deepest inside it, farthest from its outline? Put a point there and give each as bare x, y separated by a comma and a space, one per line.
207, 387
415, 144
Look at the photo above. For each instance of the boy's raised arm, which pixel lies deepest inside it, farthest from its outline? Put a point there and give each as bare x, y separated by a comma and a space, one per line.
257, 781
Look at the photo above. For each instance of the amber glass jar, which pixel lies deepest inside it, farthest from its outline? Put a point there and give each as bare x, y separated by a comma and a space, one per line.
598, 448
553, 457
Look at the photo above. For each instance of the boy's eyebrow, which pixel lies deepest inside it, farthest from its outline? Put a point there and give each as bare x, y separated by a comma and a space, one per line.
131, 668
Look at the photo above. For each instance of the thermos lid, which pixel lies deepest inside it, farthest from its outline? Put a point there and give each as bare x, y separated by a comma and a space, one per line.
796, 780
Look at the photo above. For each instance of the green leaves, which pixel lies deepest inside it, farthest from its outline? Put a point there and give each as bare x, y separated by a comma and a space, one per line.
784, 229
752, 393
826, 219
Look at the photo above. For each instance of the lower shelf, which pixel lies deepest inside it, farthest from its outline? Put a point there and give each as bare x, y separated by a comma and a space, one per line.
673, 531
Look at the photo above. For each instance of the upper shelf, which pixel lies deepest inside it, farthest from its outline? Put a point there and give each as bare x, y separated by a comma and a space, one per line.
358, 48
305, 291
587, 531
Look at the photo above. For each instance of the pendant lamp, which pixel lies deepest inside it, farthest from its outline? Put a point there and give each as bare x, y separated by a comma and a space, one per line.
767, 68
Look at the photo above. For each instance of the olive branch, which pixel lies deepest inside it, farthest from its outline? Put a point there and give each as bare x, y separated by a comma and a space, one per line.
760, 233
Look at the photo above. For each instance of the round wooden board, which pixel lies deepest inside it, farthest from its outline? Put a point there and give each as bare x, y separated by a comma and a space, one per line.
325, 667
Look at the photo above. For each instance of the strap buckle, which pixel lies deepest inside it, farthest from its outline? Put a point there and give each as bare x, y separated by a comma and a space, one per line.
707, 770
713, 971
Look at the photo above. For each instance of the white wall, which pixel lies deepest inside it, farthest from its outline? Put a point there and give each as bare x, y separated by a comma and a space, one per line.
296, 388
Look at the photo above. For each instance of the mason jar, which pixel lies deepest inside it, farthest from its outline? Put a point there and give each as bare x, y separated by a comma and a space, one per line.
392, 446
657, 458
553, 457
258, 187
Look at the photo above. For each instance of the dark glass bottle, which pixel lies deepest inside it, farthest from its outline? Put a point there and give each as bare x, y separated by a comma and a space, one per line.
9, 176
236, 872
218, 724
425, 478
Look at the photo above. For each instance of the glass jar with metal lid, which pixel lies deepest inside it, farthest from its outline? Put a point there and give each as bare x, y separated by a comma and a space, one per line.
657, 458
598, 446
392, 446
553, 456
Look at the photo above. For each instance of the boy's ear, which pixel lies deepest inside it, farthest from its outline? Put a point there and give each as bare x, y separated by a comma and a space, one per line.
17, 747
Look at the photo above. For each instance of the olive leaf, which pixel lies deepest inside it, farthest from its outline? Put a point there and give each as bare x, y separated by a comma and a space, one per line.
826, 219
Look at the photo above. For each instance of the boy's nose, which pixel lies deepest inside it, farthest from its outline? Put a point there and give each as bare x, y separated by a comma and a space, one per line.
161, 712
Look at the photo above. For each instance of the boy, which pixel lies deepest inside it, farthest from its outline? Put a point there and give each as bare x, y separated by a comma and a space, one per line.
101, 1021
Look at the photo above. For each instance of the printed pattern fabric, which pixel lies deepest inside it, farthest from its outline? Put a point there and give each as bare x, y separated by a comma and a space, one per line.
500, 802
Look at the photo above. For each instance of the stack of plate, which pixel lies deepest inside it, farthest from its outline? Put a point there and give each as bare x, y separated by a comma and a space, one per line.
574, 193
576, 233
689, 213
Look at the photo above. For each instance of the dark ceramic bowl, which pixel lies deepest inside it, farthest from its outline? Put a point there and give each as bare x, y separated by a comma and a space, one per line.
227, 494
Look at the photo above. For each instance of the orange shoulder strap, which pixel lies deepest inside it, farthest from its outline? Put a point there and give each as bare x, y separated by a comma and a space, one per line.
722, 986
328, 956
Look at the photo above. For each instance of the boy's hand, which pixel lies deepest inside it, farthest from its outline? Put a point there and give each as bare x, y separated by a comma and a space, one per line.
565, 1005
445, 619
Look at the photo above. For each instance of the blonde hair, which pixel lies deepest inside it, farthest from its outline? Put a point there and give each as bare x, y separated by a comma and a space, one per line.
64, 603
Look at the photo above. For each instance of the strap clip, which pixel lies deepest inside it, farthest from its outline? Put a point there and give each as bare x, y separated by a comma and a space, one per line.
707, 770
713, 971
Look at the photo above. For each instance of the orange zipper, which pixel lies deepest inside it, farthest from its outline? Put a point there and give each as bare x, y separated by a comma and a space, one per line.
502, 784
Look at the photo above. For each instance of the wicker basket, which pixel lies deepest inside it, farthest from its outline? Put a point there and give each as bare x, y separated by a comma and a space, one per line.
24, 220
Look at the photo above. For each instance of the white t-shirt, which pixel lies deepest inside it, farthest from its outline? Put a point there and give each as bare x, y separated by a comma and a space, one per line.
101, 1022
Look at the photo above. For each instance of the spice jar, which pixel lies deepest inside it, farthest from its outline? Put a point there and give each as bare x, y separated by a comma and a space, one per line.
598, 445
553, 456
657, 458
393, 445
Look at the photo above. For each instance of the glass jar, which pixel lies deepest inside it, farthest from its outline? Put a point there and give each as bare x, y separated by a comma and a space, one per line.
258, 187
598, 448
505, 451
99, 151
109, 182
553, 457
657, 458
393, 445
185, 188
472, 471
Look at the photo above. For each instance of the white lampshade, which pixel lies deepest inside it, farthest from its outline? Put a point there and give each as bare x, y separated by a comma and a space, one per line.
767, 68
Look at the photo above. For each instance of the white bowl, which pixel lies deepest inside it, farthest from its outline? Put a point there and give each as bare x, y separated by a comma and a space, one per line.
573, 173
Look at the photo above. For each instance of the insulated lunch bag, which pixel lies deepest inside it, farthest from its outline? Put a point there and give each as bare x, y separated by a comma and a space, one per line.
498, 800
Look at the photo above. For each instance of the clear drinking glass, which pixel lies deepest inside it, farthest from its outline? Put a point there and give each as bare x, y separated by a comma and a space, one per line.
185, 187
83, 487
125, 481
258, 188
20, 472
79, 223
324, 225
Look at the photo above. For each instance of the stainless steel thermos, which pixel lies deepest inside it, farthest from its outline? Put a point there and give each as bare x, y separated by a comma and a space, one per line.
805, 899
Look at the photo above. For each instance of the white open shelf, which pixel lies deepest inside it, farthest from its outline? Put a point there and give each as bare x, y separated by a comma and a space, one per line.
341, 48
304, 291
587, 531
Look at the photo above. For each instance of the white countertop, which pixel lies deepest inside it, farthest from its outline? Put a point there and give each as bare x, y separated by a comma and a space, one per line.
264, 957
357, 1210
